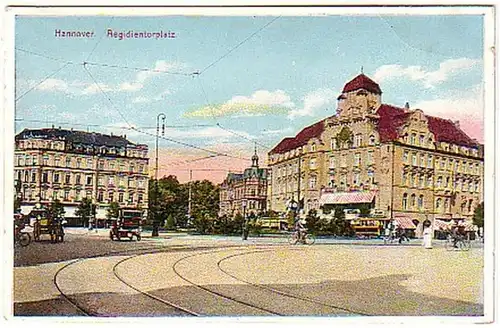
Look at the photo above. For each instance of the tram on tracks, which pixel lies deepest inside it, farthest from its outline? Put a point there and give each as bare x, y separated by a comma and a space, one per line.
128, 225
45, 224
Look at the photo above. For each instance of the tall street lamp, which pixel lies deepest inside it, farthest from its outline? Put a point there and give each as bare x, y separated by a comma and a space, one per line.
161, 117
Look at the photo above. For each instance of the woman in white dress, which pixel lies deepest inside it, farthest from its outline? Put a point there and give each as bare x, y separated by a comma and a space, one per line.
427, 235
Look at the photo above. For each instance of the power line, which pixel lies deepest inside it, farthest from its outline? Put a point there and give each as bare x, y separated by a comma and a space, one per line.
138, 69
45, 56
239, 44
242, 136
45, 79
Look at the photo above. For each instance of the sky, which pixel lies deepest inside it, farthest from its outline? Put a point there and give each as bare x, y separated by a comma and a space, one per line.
228, 83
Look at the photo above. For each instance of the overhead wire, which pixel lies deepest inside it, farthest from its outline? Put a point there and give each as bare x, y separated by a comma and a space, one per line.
45, 79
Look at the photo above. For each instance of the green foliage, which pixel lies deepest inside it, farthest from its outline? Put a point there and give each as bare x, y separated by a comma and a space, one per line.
56, 209
312, 221
478, 218
85, 210
364, 210
345, 136
170, 223
202, 223
113, 210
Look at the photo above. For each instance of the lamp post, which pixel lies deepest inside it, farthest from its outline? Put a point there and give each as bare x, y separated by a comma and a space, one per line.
244, 234
161, 117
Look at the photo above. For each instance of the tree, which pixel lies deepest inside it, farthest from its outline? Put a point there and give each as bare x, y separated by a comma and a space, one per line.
85, 210
56, 209
312, 221
113, 210
478, 218
170, 223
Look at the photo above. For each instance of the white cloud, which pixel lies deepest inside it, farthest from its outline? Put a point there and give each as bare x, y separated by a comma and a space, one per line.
430, 79
314, 101
53, 85
277, 132
466, 107
141, 99
260, 102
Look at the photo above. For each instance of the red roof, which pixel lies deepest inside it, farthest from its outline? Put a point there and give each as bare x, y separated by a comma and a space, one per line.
362, 82
312, 131
392, 118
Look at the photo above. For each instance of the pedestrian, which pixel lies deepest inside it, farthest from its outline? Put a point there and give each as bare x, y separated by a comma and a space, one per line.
427, 235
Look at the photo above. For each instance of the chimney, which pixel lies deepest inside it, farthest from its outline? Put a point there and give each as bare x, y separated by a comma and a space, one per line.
52, 125
59, 128
407, 106
125, 136
457, 123
111, 133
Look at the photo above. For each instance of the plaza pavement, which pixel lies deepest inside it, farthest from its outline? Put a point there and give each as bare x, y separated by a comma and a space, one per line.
385, 280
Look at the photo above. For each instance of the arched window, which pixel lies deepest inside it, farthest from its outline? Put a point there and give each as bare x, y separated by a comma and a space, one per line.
420, 202
438, 204
405, 201
405, 178
372, 140
412, 200
470, 206
446, 205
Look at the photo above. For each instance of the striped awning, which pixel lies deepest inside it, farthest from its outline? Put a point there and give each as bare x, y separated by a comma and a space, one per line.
441, 225
355, 197
405, 223
445, 225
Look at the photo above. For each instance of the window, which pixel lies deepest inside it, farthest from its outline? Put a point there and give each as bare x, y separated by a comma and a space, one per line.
421, 140
312, 163
89, 179
439, 182
130, 182
414, 159
333, 143
355, 179
372, 140
429, 161
120, 197
443, 163
421, 181
111, 181
33, 177
332, 162
331, 180
413, 138
35, 160
101, 165
476, 186
66, 195
405, 201
405, 157
446, 205
100, 196
57, 161
111, 196
429, 181
412, 200
422, 160
100, 181
78, 179
111, 166
459, 185
370, 157
131, 198
420, 202
45, 177
371, 177
438, 204
312, 182
139, 198
78, 163
447, 182
68, 161
469, 208
28, 160
140, 183
405, 178
122, 181
313, 147
131, 167
450, 164
357, 159
344, 160
464, 166
56, 177
358, 140
462, 207
414, 179
67, 179
89, 163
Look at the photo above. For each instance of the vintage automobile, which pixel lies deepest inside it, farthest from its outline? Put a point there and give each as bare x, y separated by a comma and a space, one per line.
128, 225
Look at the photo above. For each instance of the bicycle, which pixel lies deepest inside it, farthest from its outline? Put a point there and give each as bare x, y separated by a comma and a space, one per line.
307, 239
461, 243
22, 238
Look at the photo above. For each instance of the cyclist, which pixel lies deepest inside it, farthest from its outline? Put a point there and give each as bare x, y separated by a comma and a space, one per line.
300, 229
455, 234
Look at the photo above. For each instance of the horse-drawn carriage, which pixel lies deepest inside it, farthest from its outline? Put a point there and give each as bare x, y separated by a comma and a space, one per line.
45, 224
128, 225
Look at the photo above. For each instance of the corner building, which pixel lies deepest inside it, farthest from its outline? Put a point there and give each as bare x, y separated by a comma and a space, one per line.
404, 163
71, 165
244, 192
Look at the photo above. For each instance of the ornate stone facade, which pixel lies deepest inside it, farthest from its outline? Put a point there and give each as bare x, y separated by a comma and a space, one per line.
420, 166
245, 192
70, 165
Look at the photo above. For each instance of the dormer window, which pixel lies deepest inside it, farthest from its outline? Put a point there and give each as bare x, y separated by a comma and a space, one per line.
413, 138
313, 147
372, 140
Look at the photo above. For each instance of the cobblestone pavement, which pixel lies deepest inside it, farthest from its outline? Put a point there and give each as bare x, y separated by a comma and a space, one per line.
210, 276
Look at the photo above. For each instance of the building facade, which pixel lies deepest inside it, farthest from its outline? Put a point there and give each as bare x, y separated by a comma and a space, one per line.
409, 164
69, 165
244, 193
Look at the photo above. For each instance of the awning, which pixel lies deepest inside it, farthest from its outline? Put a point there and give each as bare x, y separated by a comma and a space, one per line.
405, 223
355, 197
441, 225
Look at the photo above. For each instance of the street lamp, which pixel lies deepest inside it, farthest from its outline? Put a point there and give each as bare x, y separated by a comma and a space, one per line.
244, 235
161, 117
